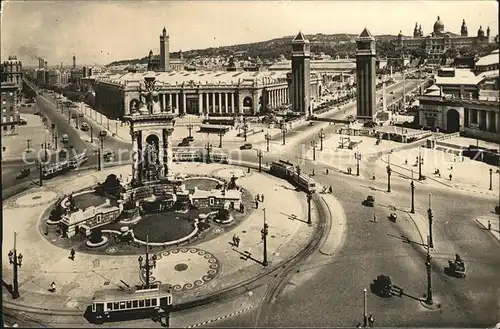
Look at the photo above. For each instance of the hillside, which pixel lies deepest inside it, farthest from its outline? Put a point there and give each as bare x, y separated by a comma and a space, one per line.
331, 44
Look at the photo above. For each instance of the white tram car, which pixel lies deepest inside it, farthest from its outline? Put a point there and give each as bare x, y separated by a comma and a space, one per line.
286, 170
131, 303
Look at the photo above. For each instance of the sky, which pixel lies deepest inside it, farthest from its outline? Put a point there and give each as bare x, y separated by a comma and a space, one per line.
99, 32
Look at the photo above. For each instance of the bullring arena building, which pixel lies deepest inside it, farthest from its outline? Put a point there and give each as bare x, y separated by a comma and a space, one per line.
216, 93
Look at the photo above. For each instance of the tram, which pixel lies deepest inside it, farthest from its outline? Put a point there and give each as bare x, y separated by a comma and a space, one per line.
132, 303
77, 160
286, 170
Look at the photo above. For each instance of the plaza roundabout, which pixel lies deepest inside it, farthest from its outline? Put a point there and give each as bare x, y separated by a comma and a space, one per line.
32, 199
184, 268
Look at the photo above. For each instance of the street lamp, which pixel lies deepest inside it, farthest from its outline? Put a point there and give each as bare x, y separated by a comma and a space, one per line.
283, 131
16, 261
430, 216
190, 128
429, 300
389, 171
221, 134
53, 127
420, 163
309, 198
365, 309
208, 147
264, 232
267, 136
321, 136
314, 144
259, 155
491, 179
412, 186
245, 128
148, 264
102, 136
357, 156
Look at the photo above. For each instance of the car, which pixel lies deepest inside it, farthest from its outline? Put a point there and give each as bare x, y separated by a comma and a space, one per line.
392, 92
65, 138
23, 121
189, 139
311, 123
370, 201
246, 146
73, 116
85, 127
25, 172
108, 156
184, 142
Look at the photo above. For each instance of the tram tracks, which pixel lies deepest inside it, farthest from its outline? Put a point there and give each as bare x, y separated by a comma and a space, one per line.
287, 270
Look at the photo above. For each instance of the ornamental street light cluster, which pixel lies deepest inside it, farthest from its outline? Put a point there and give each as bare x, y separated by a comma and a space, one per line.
314, 143
102, 136
309, 198
283, 131
430, 216
208, 148
190, 128
412, 187
357, 156
16, 261
429, 300
321, 136
267, 136
245, 129
221, 134
147, 264
491, 179
259, 155
420, 162
264, 232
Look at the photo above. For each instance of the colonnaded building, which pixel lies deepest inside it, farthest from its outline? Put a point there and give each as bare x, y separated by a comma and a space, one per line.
216, 93
439, 41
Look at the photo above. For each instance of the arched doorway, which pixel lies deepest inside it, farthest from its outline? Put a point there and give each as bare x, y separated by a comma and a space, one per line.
247, 102
452, 121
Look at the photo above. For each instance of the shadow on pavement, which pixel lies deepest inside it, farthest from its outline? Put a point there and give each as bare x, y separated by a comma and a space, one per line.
405, 239
7, 286
246, 255
294, 217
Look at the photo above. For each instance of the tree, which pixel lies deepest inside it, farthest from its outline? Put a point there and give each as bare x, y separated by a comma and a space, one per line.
96, 235
223, 214
111, 185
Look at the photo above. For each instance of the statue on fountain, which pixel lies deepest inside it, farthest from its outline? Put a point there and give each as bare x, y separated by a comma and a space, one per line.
151, 162
149, 101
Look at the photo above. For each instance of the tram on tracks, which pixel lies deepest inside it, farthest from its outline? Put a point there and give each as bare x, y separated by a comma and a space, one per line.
132, 303
286, 170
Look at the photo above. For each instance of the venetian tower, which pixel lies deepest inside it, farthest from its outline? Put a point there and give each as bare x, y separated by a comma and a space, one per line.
365, 77
301, 74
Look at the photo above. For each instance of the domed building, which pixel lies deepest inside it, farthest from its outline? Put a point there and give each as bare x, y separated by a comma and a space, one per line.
439, 41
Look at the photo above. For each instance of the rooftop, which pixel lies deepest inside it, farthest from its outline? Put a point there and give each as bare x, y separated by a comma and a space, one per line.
198, 77
462, 77
342, 64
490, 59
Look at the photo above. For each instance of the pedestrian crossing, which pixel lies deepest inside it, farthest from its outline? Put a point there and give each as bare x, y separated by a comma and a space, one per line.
219, 318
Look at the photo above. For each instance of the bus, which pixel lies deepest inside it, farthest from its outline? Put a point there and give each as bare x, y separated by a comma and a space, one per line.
132, 303
214, 129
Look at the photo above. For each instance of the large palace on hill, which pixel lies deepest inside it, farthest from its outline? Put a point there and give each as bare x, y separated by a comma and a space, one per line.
439, 41
216, 93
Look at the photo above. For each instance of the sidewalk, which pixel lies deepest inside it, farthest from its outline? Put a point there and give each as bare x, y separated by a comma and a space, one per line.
493, 220
76, 280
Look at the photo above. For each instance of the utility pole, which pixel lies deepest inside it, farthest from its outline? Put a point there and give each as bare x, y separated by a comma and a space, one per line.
430, 216
321, 136
389, 170
283, 131
357, 156
491, 179
16, 262
190, 128
309, 198
148, 264
259, 155
429, 300
412, 186
314, 144
267, 136
264, 232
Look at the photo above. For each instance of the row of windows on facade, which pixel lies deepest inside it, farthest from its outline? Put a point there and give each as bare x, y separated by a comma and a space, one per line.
132, 304
4, 119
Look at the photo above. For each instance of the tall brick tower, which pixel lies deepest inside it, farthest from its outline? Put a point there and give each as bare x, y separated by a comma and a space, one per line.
301, 74
164, 51
365, 77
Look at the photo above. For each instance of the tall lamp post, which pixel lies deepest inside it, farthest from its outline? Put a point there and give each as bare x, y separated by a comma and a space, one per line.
264, 232
365, 309
357, 156
208, 147
102, 136
40, 172
16, 261
267, 136
283, 131
245, 129
491, 179
389, 171
53, 127
412, 187
190, 128
420, 163
309, 198
321, 136
221, 134
429, 300
313, 145
147, 264
259, 155
430, 216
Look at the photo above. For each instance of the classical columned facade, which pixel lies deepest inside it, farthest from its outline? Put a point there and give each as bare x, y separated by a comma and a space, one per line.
473, 118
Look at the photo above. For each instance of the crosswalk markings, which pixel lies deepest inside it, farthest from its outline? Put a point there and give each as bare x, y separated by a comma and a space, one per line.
219, 318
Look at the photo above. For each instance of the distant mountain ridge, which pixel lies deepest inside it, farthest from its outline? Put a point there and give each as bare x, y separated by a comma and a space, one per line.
341, 44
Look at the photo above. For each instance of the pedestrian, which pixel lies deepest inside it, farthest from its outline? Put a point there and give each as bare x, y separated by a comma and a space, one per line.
358, 325
312, 173
489, 225
237, 241
53, 287
256, 204
72, 254
450, 176
406, 161
374, 218
330, 190
234, 239
257, 197
327, 171
371, 320
262, 197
